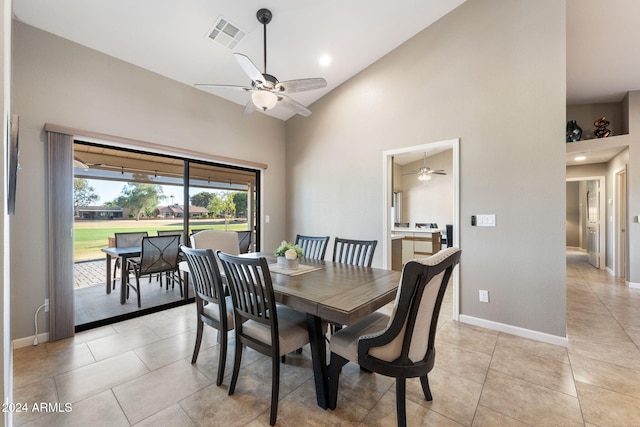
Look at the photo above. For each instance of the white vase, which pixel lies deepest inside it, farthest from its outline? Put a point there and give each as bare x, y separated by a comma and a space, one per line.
289, 264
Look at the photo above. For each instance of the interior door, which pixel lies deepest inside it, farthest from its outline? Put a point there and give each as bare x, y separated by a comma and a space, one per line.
593, 222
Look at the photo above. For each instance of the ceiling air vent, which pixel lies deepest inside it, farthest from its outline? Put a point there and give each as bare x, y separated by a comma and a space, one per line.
226, 33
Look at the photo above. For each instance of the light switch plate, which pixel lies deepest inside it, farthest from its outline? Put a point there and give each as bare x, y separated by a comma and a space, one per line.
484, 296
486, 220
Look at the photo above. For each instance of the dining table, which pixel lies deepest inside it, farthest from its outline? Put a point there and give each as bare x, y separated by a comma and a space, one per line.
330, 292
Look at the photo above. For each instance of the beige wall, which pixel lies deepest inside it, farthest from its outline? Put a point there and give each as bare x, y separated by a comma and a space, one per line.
492, 73
57, 81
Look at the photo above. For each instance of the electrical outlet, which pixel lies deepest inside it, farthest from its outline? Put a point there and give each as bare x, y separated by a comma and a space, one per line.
46, 304
484, 296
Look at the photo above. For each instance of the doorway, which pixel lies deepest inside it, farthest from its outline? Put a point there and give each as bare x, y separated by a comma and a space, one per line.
589, 205
389, 211
621, 224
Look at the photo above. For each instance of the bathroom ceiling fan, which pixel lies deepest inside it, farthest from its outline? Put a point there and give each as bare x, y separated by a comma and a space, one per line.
266, 91
424, 173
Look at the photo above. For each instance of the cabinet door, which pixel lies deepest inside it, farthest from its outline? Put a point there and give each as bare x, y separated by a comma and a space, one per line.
407, 250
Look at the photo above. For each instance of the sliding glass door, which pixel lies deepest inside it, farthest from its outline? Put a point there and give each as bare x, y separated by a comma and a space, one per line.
128, 191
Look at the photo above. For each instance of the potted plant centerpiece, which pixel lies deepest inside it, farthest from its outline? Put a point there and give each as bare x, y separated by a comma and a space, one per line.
288, 255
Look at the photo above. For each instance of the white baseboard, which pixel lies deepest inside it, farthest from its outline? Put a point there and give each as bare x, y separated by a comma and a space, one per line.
633, 285
27, 341
515, 330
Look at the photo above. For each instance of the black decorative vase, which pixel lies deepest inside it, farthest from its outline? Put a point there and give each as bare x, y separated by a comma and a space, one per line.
574, 132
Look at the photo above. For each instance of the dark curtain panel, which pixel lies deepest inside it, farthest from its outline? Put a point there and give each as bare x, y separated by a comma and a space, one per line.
60, 202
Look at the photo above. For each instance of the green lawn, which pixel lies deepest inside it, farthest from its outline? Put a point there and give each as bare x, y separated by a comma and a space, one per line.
91, 236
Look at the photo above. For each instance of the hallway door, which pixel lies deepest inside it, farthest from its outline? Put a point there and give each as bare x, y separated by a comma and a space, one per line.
593, 222
621, 224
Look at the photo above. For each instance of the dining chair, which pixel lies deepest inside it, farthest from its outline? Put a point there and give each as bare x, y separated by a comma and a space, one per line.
159, 254
244, 240
171, 233
269, 328
356, 252
400, 345
226, 241
213, 308
313, 247
126, 240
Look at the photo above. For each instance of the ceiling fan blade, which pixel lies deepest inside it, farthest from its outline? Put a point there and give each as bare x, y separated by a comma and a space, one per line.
214, 86
249, 108
301, 85
438, 172
293, 105
249, 68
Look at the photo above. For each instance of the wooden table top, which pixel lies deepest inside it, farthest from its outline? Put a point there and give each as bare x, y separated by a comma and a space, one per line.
339, 293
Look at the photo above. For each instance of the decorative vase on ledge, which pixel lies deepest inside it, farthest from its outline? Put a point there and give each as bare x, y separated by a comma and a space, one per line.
289, 264
574, 132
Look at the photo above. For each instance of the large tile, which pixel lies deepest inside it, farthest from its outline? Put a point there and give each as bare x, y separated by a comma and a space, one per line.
361, 388
173, 416
621, 354
150, 393
486, 417
99, 410
173, 348
99, 376
454, 397
39, 391
32, 364
384, 414
464, 362
538, 370
607, 408
607, 375
532, 347
468, 336
529, 403
112, 345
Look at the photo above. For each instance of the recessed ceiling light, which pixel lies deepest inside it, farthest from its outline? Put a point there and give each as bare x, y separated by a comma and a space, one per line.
325, 60
580, 158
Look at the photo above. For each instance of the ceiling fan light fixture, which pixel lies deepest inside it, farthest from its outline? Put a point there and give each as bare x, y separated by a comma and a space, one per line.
424, 177
264, 100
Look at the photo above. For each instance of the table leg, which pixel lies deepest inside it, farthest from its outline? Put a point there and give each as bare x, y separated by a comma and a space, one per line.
108, 273
319, 359
124, 278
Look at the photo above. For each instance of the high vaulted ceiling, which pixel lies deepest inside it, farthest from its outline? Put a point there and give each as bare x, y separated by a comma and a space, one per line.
170, 38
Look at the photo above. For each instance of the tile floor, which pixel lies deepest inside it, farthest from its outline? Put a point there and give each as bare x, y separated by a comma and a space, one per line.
138, 372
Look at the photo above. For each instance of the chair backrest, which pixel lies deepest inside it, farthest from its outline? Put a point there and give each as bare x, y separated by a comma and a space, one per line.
409, 338
130, 239
312, 247
356, 252
249, 281
244, 241
225, 241
171, 233
159, 253
205, 276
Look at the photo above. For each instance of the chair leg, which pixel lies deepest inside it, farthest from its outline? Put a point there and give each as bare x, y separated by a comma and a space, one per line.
138, 290
222, 359
425, 388
236, 367
401, 394
196, 349
275, 386
335, 366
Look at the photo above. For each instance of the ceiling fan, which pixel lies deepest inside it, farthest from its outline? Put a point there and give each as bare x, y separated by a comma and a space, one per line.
266, 91
424, 173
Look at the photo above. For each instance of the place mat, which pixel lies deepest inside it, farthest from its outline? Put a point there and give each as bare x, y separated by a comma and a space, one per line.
274, 268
